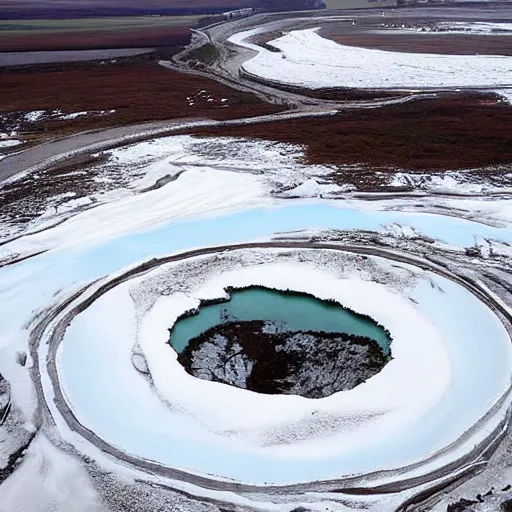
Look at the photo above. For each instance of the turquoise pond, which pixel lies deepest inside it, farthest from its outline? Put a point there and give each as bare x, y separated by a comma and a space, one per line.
293, 311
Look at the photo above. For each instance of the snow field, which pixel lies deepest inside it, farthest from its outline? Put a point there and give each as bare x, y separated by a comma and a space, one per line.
388, 422
309, 60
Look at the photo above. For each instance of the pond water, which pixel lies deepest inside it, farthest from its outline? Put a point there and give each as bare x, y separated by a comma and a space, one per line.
292, 311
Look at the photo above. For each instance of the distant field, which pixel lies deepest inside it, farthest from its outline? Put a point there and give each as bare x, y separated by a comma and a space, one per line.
26, 9
94, 24
356, 4
369, 34
93, 33
112, 4
32, 9
453, 132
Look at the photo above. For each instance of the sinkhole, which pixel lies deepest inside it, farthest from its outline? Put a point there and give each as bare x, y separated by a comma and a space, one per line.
276, 342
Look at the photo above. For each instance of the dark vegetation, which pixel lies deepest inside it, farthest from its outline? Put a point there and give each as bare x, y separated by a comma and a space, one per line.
32, 9
137, 89
204, 55
177, 36
369, 34
84, 34
451, 132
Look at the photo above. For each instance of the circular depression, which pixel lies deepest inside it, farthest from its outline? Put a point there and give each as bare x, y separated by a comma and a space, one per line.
449, 348
279, 342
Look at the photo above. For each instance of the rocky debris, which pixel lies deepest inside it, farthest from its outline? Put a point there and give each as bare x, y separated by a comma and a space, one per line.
473, 252
140, 363
21, 358
5, 399
463, 505
491, 500
506, 506
266, 358
14, 436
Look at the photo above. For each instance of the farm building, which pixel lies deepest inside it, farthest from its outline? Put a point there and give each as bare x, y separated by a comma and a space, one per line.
239, 13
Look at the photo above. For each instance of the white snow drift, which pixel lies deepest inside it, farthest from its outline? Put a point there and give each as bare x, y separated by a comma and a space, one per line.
209, 205
309, 60
406, 414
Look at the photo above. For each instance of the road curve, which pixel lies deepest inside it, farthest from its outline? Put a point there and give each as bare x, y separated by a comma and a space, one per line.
43, 156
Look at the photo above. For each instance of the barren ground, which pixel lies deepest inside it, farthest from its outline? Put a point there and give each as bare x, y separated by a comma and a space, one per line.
16, 9
109, 32
451, 132
137, 89
450, 44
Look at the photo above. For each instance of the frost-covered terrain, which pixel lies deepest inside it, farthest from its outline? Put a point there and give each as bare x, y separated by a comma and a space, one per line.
159, 177
464, 27
109, 239
254, 440
16, 121
306, 59
99, 259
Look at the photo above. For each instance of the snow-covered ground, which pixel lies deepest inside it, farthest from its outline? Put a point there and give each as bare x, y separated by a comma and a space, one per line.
57, 114
466, 27
229, 191
76, 115
454, 182
241, 435
15, 121
49, 479
309, 60
160, 177
34, 116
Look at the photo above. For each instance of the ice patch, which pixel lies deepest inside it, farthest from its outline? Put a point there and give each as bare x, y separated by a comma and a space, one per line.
506, 94
34, 116
9, 143
74, 115
48, 479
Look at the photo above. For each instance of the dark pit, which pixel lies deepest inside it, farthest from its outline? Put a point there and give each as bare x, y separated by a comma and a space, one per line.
262, 357
274, 342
